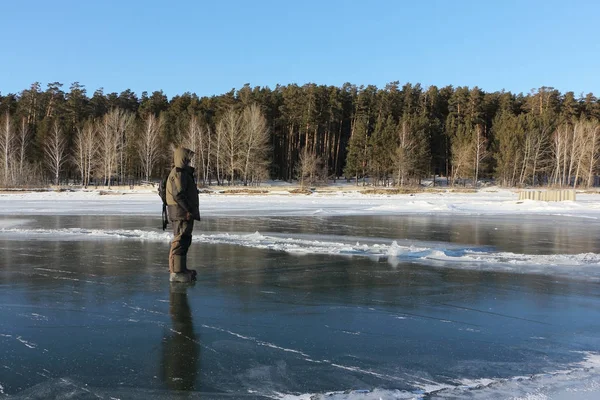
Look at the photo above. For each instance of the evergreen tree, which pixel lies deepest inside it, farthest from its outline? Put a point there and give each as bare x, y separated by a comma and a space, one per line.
382, 144
508, 147
358, 150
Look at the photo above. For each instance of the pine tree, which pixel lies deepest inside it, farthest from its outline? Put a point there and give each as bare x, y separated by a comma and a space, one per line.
382, 144
358, 151
508, 146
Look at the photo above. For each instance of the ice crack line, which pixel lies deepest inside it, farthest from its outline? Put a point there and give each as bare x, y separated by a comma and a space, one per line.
304, 355
258, 342
26, 343
193, 340
53, 270
364, 371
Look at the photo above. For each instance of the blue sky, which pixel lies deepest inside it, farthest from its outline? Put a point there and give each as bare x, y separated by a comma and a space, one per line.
211, 47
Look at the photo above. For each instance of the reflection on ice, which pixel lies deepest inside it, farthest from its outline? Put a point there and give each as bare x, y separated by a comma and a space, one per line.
181, 349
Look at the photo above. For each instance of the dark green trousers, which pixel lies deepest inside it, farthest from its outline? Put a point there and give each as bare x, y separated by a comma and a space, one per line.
182, 239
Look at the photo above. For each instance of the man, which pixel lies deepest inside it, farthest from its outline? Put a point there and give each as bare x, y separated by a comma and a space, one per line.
183, 210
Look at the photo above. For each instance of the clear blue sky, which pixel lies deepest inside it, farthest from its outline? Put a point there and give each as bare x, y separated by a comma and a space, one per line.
210, 47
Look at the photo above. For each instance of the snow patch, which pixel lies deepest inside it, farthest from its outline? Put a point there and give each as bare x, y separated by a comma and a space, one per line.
485, 202
11, 223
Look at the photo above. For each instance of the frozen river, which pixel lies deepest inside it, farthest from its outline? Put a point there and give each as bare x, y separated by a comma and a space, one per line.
336, 307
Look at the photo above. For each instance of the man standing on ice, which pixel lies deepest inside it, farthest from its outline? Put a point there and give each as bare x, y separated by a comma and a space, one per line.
183, 210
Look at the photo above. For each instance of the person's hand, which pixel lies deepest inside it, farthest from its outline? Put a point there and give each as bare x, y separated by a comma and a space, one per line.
188, 216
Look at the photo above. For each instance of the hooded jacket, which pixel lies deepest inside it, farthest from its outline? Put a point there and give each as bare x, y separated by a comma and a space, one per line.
182, 192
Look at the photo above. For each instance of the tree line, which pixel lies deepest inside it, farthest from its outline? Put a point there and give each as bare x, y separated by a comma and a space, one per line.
391, 136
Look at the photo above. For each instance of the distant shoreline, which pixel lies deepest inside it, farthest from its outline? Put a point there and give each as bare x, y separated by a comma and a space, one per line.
291, 189
294, 190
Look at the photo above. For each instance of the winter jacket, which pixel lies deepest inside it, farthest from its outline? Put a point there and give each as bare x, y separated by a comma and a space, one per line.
182, 192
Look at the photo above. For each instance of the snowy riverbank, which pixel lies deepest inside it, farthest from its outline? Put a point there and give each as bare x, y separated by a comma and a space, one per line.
279, 201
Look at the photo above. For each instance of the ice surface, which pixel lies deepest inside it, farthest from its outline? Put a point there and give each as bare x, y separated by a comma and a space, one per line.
585, 265
323, 308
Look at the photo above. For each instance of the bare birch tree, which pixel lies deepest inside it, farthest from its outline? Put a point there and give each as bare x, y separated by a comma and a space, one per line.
191, 134
560, 142
56, 151
255, 141
593, 150
79, 153
577, 140
585, 151
462, 161
23, 142
231, 150
481, 151
537, 153
120, 122
85, 151
149, 143
108, 149
6, 147
198, 139
206, 139
309, 168
569, 151
218, 150
259, 172
405, 156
